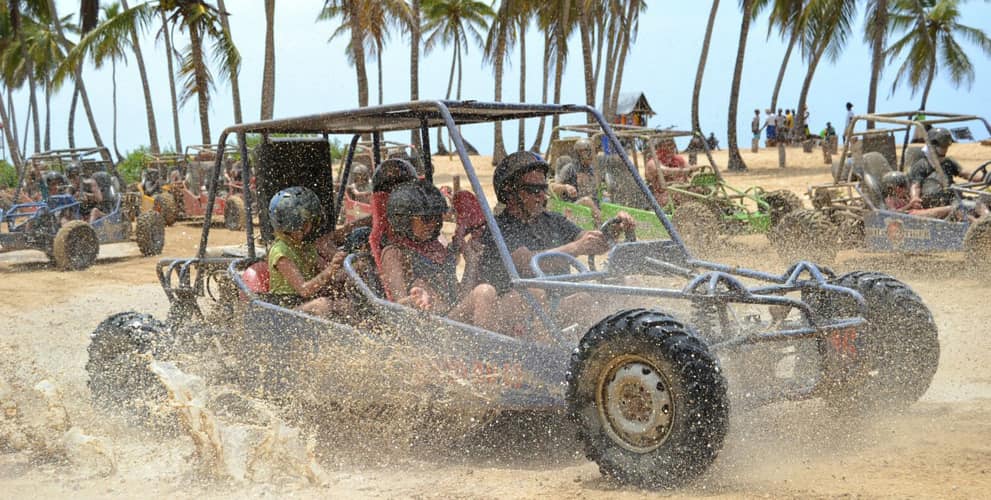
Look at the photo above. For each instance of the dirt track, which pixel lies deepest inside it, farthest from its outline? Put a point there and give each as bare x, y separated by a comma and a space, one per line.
939, 448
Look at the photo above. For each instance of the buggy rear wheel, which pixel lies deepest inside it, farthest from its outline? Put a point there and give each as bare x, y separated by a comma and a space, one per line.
805, 235
977, 243
149, 233
165, 205
781, 202
895, 355
75, 247
648, 398
235, 216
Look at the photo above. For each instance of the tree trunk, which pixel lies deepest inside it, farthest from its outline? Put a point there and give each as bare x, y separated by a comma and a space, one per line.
537, 141
929, 84
80, 85
735, 161
781, 70
71, 134
12, 113
268, 71
146, 88
113, 100
441, 149
15, 155
48, 114
807, 84
359, 57
378, 67
202, 92
414, 67
700, 71
35, 122
235, 87
169, 51
624, 49
521, 136
607, 77
877, 54
586, 40
562, 46
498, 145
27, 128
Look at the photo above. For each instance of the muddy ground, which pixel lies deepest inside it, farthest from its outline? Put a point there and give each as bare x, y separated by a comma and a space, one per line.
939, 448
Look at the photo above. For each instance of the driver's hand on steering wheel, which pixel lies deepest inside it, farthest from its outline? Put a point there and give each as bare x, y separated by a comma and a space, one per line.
420, 298
591, 243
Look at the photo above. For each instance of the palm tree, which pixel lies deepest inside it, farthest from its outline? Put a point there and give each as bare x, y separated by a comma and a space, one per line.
826, 26
351, 25
559, 19
200, 20
145, 88
876, 32
786, 16
697, 90
170, 53
932, 30
268, 71
735, 161
235, 87
413, 27
454, 21
113, 50
498, 44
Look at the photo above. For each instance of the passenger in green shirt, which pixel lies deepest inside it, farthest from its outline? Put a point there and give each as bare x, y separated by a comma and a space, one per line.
300, 276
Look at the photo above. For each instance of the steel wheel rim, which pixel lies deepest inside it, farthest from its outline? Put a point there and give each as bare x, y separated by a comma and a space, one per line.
635, 405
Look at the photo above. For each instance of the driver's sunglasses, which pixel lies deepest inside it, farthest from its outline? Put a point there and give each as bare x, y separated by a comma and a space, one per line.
534, 188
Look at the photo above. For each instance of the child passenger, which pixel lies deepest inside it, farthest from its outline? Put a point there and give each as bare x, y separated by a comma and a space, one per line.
301, 267
419, 271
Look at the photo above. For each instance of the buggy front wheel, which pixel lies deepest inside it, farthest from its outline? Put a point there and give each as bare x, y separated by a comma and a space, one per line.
648, 398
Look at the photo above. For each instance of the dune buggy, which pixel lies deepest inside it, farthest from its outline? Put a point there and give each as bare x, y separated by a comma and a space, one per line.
675, 341
702, 205
55, 225
851, 210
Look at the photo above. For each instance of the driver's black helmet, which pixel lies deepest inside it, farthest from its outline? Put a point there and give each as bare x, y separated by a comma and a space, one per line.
290, 209
73, 170
892, 180
392, 173
940, 137
511, 168
52, 176
410, 199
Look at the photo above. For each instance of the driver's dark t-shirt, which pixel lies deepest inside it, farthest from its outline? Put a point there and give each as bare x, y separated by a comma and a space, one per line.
933, 194
548, 230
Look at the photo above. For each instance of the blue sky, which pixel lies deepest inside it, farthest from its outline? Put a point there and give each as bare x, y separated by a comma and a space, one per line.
313, 75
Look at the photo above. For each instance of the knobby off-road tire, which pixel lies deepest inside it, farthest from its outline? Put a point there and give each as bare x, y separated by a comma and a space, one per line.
781, 202
851, 230
149, 233
75, 247
648, 398
165, 204
119, 378
235, 216
805, 235
977, 244
698, 224
897, 351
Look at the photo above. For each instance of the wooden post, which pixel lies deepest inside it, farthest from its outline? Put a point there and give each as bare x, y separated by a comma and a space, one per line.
827, 152
755, 144
456, 183
781, 154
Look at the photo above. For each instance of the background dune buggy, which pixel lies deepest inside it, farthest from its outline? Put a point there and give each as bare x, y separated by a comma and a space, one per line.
703, 207
851, 210
648, 387
55, 225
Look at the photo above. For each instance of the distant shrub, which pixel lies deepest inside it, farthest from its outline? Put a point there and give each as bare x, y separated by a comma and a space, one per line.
132, 165
8, 175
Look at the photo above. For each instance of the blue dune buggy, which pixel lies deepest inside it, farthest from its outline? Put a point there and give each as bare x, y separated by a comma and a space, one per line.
851, 211
675, 341
56, 225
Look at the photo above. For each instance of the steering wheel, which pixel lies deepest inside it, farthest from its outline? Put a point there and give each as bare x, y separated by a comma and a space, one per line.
983, 171
612, 229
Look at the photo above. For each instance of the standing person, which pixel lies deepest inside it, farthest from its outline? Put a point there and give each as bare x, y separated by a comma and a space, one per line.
771, 125
790, 124
849, 120
755, 128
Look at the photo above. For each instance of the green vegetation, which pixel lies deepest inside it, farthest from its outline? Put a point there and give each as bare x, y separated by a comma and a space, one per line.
8, 175
131, 166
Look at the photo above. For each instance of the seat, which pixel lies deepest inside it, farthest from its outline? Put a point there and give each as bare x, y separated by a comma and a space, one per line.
256, 277
875, 166
912, 155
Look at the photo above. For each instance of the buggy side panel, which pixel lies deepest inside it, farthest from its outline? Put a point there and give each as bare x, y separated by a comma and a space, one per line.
897, 232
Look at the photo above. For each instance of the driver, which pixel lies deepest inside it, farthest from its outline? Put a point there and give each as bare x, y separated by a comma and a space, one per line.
926, 189
87, 191
520, 182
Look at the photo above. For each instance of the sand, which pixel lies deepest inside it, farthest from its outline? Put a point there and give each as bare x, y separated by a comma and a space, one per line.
940, 448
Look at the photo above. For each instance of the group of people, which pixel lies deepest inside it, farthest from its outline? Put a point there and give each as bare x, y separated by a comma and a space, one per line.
402, 254
92, 191
784, 127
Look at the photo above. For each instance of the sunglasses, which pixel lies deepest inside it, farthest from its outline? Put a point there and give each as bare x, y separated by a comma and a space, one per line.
431, 219
534, 188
